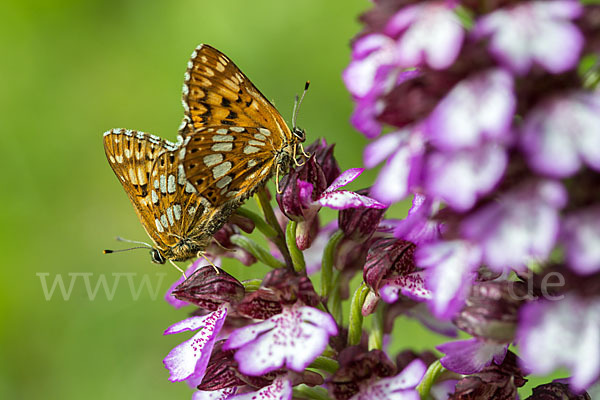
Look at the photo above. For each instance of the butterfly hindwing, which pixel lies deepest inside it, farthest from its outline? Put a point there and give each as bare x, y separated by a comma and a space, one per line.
149, 170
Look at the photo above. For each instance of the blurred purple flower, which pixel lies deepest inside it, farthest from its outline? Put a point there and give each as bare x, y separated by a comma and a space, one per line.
428, 33
535, 31
565, 333
404, 151
450, 267
399, 387
561, 134
460, 178
581, 237
478, 109
188, 361
417, 227
522, 226
292, 339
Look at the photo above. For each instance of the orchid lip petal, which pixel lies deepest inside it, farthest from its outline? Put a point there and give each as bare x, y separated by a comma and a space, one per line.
343, 199
345, 178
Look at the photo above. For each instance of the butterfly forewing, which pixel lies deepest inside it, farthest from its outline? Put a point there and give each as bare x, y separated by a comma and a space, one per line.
216, 92
227, 163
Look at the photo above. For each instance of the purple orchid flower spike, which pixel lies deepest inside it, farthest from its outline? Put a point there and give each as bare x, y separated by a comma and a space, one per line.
293, 338
221, 394
188, 361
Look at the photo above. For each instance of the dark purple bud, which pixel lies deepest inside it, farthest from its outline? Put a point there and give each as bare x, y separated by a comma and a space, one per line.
494, 382
388, 257
208, 288
556, 391
280, 287
324, 156
222, 372
303, 184
358, 367
491, 310
291, 287
359, 224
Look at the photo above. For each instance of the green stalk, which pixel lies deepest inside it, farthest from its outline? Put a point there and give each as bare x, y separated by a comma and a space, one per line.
431, 376
257, 251
306, 392
335, 300
376, 334
327, 264
326, 364
279, 240
295, 253
355, 320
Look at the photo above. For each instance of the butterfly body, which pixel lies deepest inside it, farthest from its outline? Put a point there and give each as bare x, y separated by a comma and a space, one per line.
230, 142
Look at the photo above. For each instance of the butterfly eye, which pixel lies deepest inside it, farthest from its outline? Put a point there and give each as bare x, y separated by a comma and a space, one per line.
157, 258
300, 134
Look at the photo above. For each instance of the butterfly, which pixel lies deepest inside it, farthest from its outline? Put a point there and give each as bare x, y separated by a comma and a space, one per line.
230, 142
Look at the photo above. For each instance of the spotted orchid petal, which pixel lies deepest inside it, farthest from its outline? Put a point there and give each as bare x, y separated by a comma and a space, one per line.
410, 285
280, 389
189, 359
345, 178
399, 387
221, 394
471, 355
343, 199
293, 338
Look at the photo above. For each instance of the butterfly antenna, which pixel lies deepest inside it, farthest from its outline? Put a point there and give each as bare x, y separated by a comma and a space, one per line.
108, 251
120, 239
297, 105
201, 254
178, 269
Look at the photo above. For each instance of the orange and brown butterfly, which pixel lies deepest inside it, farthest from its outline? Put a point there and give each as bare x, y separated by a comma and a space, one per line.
230, 142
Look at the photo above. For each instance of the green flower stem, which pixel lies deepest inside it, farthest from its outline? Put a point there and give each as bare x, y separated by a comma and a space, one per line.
356, 318
252, 285
326, 364
376, 334
257, 251
327, 264
431, 376
335, 300
296, 254
259, 222
279, 240
307, 392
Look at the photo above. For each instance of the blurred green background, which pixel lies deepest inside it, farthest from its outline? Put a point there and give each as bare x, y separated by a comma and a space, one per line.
71, 70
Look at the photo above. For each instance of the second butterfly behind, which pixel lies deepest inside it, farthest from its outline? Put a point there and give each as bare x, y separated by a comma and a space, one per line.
230, 142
